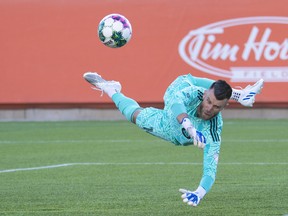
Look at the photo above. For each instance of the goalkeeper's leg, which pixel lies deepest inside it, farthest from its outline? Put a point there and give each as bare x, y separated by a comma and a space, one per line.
127, 106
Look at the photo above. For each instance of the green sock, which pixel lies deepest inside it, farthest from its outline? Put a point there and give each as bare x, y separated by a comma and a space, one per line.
126, 106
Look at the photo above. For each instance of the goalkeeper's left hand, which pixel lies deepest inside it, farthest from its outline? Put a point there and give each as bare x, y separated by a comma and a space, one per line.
198, 138
190, 197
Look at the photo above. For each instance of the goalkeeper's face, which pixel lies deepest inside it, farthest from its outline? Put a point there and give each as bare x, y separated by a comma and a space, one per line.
210, 106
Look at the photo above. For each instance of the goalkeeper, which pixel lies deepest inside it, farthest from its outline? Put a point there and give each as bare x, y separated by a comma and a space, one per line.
191, 115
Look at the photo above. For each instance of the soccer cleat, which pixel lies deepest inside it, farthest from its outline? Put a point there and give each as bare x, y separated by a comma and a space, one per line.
247, 95
102, 84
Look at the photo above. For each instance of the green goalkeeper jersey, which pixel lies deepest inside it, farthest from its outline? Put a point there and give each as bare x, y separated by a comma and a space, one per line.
183, 96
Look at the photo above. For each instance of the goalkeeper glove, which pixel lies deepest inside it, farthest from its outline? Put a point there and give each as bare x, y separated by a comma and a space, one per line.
198, 138
192, 198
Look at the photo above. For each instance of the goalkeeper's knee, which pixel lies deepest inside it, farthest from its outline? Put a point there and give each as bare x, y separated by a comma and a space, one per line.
126, 106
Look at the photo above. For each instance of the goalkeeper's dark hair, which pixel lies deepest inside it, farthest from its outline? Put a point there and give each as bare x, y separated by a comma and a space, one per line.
222, 90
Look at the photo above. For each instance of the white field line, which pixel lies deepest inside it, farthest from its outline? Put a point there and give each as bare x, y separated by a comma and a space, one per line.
64, 141
129, 141
129, 164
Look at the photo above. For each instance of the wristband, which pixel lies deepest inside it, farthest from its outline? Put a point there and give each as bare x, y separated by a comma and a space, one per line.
201, 192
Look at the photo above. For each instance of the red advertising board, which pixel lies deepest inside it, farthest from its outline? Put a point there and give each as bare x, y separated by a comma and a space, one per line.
46, 46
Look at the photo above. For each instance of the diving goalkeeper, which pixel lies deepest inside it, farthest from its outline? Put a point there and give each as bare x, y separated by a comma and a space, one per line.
191, 116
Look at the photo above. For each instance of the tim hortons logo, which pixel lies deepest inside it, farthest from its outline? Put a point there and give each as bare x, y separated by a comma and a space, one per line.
243, 49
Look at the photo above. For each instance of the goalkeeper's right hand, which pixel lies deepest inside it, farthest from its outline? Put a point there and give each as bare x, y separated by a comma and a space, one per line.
199, 139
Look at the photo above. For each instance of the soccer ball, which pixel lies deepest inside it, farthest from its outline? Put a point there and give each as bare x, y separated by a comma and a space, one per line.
114, 30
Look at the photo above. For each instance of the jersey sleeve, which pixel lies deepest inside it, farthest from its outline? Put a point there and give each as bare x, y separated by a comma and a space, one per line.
211, 152
180, 94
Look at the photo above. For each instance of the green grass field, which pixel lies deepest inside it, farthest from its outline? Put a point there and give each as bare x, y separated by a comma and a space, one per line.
114, 168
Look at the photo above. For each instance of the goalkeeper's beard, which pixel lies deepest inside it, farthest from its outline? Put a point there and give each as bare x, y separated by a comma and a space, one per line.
204, 114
